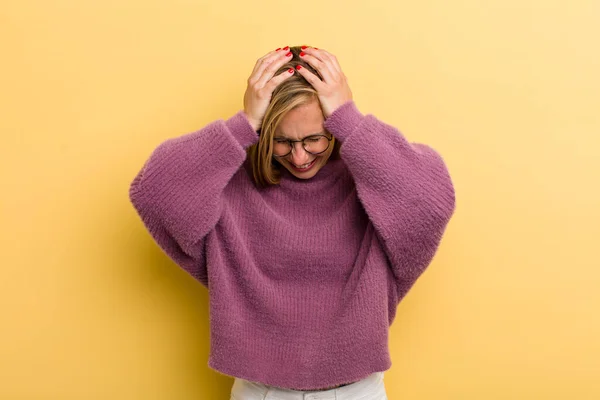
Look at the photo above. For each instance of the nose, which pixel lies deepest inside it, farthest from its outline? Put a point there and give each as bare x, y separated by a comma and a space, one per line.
299, 155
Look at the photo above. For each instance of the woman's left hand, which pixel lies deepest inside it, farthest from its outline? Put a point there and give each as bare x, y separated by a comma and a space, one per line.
333, 90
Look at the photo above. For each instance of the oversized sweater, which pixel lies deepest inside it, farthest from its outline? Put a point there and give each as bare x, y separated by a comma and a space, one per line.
303, 277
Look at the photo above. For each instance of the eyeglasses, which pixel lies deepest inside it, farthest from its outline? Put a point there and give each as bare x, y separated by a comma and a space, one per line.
315, 144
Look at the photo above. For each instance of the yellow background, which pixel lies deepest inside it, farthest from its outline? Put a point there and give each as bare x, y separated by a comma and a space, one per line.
507, 91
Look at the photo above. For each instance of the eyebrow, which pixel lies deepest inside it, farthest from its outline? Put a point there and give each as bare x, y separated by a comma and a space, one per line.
312, 134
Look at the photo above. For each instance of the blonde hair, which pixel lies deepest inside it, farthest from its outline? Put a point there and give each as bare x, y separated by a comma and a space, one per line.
291, 93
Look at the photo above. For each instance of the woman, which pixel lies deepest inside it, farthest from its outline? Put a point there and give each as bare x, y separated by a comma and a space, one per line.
307, 221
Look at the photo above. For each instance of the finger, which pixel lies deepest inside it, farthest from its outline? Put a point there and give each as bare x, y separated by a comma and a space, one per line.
263, 62
270, 69
310, 77
260, 60
325, 57
322, 66
333, 61
273, 83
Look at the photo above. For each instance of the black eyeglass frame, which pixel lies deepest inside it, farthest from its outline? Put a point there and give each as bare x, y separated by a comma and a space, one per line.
292, 146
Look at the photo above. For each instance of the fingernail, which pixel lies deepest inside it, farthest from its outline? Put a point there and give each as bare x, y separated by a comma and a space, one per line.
277, 49
298, 67
304, 47
302, 54
291, 70
286, 48
289, 54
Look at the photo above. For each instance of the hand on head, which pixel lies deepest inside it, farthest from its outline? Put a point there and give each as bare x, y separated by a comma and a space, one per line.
333, 89
262, 82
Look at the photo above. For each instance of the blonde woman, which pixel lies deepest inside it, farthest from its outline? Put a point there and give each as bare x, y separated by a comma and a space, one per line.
307, 221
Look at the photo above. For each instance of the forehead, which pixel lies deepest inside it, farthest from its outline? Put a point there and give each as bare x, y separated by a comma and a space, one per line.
303, 120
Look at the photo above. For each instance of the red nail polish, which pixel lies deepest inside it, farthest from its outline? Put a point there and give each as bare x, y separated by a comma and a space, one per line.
286, 48
298, 67
304, 47
277, 49
291, 70
302, 54
289, 54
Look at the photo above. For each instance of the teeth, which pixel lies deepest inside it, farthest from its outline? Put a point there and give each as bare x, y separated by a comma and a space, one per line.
304, 165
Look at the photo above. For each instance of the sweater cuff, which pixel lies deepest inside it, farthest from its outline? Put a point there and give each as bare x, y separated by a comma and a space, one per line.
242, 131
342, 122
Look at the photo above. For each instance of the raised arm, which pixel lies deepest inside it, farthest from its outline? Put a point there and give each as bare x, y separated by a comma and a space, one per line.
404, 187
178, 192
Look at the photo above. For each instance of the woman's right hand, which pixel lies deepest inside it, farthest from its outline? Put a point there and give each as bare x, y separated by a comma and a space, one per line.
262, 83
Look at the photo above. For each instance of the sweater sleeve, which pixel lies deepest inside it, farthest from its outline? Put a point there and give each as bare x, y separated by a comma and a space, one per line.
178, 191
405, 189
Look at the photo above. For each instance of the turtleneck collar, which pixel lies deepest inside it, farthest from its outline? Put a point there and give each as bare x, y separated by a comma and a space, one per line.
325, 178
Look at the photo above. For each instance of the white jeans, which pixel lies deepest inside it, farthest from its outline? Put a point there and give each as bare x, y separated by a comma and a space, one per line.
369, 388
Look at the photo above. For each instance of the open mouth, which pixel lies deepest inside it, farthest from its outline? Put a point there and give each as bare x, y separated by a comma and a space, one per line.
306, 168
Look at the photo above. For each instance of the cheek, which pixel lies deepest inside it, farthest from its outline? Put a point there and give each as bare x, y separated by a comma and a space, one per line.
326, 156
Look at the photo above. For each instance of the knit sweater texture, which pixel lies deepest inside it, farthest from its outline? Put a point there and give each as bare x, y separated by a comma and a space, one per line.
303, 277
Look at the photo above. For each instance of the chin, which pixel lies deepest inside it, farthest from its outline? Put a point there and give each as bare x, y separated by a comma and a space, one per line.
304, 175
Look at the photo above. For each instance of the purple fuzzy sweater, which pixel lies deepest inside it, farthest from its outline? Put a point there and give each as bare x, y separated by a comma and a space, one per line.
303, 277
